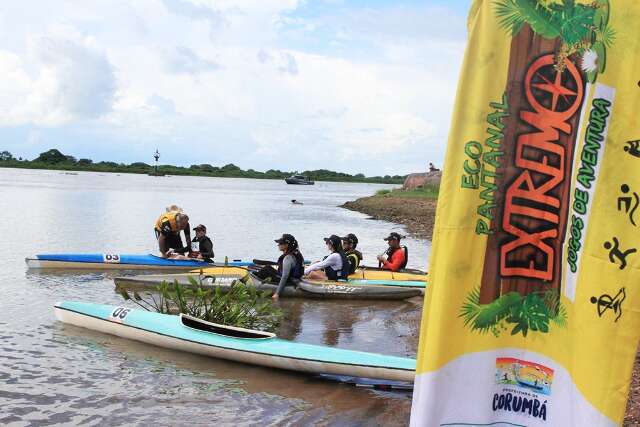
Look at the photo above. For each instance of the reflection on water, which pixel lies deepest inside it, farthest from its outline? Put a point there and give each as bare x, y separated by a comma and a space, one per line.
54, 373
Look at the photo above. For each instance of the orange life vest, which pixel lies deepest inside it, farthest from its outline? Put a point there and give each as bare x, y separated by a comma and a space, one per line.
169, 218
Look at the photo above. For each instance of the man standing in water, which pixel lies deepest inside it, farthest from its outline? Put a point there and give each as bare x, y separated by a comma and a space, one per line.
168, 228
395, 258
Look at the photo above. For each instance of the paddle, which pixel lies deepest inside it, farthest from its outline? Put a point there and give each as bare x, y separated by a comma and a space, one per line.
267, 262
264, 262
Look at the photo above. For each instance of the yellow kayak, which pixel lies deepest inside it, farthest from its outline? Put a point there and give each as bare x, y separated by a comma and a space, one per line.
363, 273
373, 273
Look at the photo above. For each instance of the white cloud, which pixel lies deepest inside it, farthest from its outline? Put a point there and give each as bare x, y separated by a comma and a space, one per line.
184, 60
62, 77
347, 85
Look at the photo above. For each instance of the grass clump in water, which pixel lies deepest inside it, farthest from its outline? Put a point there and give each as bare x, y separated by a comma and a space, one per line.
242, 306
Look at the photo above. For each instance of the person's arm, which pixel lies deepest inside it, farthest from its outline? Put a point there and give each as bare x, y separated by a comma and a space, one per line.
397, 259
187, 236
287, 265
162, 244
331, 261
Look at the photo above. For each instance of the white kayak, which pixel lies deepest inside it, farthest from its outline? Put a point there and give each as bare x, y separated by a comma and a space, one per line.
185, 333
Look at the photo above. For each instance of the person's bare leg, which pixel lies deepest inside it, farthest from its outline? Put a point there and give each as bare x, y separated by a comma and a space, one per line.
317, 275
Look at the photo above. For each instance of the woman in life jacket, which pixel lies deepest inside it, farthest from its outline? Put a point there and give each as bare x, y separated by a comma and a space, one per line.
334, 266
201, 245
167, 229
354, 256
290, 266
395, 257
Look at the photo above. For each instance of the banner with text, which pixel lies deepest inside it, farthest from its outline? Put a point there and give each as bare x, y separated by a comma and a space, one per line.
532, 317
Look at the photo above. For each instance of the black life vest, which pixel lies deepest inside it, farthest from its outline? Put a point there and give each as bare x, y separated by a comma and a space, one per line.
202, 245
391, 251
298, 269
354, 257
341, 274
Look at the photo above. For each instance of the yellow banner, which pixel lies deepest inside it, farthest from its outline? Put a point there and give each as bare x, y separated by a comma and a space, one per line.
532, 314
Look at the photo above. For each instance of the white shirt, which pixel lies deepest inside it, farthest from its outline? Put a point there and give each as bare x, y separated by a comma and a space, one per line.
334, 261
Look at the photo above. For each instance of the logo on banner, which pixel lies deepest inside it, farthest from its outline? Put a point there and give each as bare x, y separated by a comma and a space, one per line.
523, 387
520, 286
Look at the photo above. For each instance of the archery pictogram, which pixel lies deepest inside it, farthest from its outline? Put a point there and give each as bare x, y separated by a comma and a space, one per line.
606, 302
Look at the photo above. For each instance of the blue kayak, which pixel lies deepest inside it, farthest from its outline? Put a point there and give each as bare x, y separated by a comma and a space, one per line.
114, 261
185, 333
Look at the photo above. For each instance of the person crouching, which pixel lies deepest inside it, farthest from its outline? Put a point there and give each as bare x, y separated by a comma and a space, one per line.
201, 245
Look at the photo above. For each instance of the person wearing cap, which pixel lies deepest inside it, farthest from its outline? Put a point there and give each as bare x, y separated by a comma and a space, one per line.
168, 228
201, 245
395, 257
334, 266
354, 256
290, 265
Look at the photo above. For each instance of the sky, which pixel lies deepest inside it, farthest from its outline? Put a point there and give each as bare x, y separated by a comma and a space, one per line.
358, 86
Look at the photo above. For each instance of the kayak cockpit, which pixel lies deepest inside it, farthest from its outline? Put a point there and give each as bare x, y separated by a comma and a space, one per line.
228, 331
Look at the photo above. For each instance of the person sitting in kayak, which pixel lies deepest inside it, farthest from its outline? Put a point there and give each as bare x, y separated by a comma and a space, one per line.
201, 245
335, 266
168, 228
290, 265
395, 257
354, 256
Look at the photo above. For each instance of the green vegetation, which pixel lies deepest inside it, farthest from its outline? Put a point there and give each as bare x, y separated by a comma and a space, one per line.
243, 306
524, 313
423, 192
54, 159
582, 28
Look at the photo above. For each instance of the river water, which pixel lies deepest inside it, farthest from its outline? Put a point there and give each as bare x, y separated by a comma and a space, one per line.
52, 373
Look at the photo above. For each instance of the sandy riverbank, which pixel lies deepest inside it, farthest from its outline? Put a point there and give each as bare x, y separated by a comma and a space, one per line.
416, 213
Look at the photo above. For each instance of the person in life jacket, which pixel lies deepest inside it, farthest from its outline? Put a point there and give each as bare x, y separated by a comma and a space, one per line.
201, 245
334, 266
168, 228
354, 256
290, 265
395, 257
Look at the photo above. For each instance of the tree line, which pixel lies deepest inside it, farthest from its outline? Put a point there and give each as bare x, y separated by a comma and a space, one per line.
54, 159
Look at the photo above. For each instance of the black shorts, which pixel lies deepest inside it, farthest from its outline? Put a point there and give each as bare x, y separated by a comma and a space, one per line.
174, 241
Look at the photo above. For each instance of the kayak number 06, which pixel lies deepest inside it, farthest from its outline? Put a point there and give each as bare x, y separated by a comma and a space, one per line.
119, 314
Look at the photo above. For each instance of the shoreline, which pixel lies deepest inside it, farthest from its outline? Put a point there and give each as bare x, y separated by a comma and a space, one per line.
417, 214
169, 170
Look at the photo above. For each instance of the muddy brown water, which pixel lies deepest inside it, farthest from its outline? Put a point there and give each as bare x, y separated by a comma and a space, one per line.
52, 373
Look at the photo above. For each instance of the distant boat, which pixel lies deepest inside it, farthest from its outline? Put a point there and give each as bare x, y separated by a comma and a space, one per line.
299, 180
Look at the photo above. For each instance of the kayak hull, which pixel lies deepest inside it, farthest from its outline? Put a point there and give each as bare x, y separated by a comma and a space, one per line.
116, 262
167, 331
304, 289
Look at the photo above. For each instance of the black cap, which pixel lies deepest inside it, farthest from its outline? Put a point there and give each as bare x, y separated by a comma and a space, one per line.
336, 242
286, 238
200, 227
351, 238
394, 236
